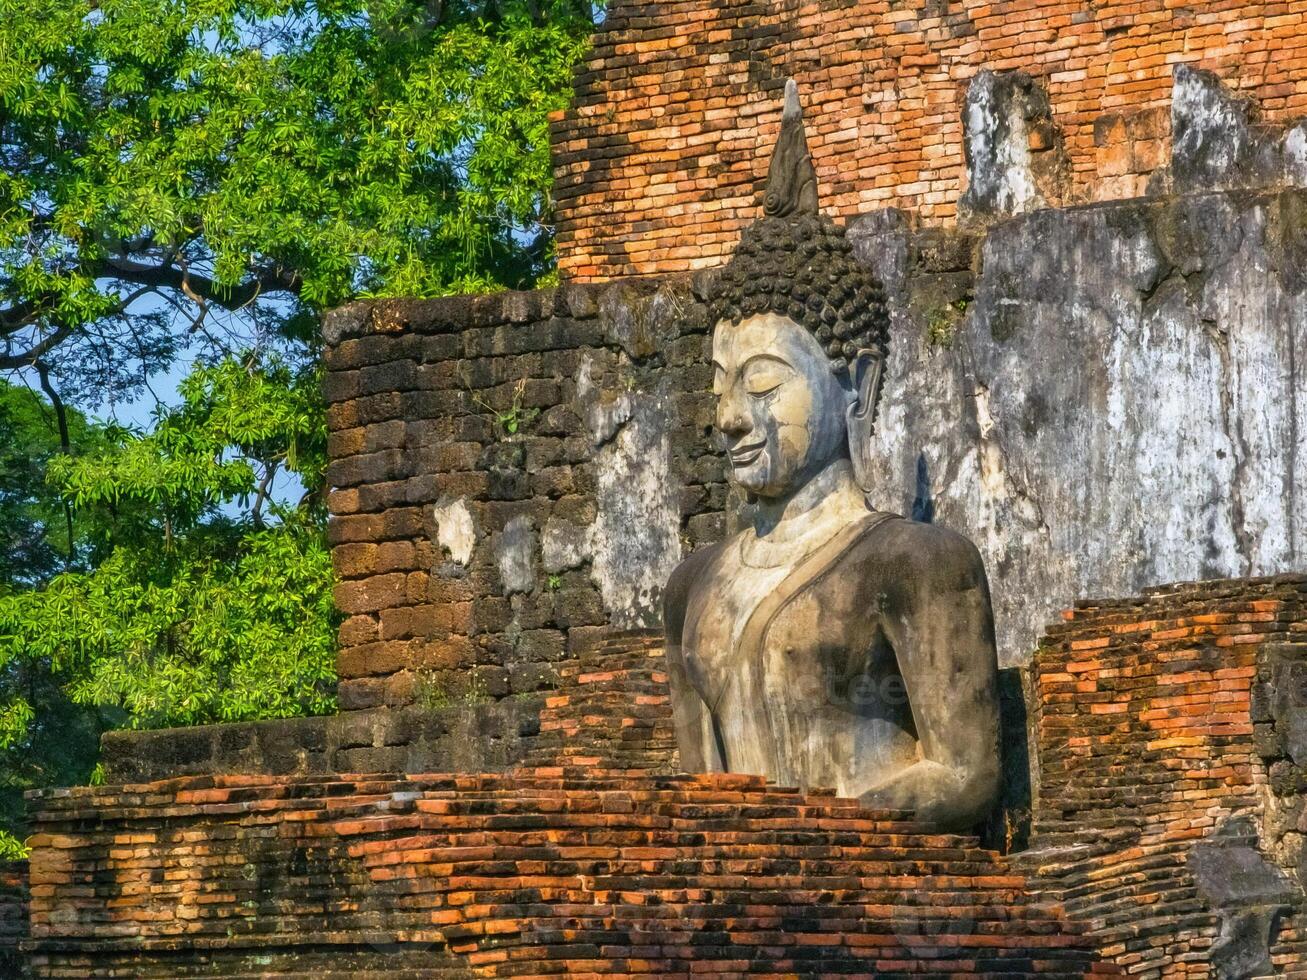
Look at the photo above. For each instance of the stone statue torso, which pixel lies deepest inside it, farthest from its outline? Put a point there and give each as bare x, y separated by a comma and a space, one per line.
794, 664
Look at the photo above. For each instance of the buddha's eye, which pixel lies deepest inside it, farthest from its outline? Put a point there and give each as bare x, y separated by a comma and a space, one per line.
763, 378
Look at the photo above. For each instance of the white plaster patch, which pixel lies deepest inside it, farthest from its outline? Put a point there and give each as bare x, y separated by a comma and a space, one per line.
635, 541
604, 412
1205, 117
455, 530
1295, 156
998, 169
564, 545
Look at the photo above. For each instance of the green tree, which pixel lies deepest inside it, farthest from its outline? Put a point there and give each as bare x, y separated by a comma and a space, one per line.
197, 598
37, 538
59, 742
207, 602
263, 156
201, 178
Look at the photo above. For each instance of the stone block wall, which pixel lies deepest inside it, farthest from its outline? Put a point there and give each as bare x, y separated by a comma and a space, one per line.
511, 475
1169, 808
577, 872
659, 160
610, 707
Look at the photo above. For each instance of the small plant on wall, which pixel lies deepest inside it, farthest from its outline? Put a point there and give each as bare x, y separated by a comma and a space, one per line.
434, 691
510, 421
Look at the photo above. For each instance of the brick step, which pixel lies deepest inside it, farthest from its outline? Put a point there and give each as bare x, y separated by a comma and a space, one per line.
551, 870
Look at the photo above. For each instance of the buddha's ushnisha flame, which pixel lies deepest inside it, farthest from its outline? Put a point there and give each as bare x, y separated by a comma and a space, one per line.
791, 178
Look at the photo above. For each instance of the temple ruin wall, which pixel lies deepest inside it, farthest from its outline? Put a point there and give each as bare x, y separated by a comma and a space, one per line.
658, 159
1104, 398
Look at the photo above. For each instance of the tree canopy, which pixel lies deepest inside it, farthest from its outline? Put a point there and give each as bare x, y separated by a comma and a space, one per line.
194, 181
273, 158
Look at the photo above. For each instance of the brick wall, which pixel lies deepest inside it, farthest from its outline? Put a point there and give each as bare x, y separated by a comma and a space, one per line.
1155, 821
659, 161
583, 872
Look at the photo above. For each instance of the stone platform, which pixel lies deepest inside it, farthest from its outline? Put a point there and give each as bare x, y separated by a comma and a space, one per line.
546, 871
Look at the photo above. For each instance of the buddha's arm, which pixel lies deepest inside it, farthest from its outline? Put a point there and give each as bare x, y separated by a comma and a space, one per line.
943, 636
689, 714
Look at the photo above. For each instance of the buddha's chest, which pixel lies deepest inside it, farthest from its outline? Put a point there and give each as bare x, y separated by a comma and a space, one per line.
763, 636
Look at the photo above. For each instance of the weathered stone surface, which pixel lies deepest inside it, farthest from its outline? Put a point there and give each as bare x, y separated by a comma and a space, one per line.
455, 530
1155, 824
515, 553
1247, 891
465, 737
1217, 142
1119, 404
1284, 693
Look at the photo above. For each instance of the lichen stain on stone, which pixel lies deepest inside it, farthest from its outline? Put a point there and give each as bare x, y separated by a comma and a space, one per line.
638, 321
455, 530
635, 541
515, 549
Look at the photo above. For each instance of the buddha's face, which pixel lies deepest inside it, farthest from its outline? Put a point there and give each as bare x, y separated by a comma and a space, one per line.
780, 408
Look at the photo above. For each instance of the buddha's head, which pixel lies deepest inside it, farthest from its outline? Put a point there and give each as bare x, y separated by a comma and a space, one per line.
800, 336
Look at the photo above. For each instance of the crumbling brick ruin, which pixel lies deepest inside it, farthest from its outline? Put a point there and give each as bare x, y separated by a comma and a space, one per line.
1091, 225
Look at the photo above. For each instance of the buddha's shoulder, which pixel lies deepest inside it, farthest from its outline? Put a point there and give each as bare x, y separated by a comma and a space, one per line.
683, 581
913, 548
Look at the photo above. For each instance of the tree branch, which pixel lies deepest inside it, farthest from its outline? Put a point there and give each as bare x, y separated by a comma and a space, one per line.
200, 289
264, 485
168, 276
65, 444
9, 362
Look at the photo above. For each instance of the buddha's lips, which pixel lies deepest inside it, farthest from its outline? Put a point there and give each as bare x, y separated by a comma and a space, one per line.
744, 455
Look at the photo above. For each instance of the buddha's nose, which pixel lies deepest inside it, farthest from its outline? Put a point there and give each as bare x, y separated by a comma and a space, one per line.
732, 420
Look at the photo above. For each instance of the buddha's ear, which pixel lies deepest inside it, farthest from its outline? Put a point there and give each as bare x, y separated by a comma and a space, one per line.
866, 370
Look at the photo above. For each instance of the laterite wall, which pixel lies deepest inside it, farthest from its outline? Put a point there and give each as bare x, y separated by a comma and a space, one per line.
660, 158
609, 705
1172, 777
513, 474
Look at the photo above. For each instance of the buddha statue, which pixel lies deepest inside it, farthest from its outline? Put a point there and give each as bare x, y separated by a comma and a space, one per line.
827, 644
